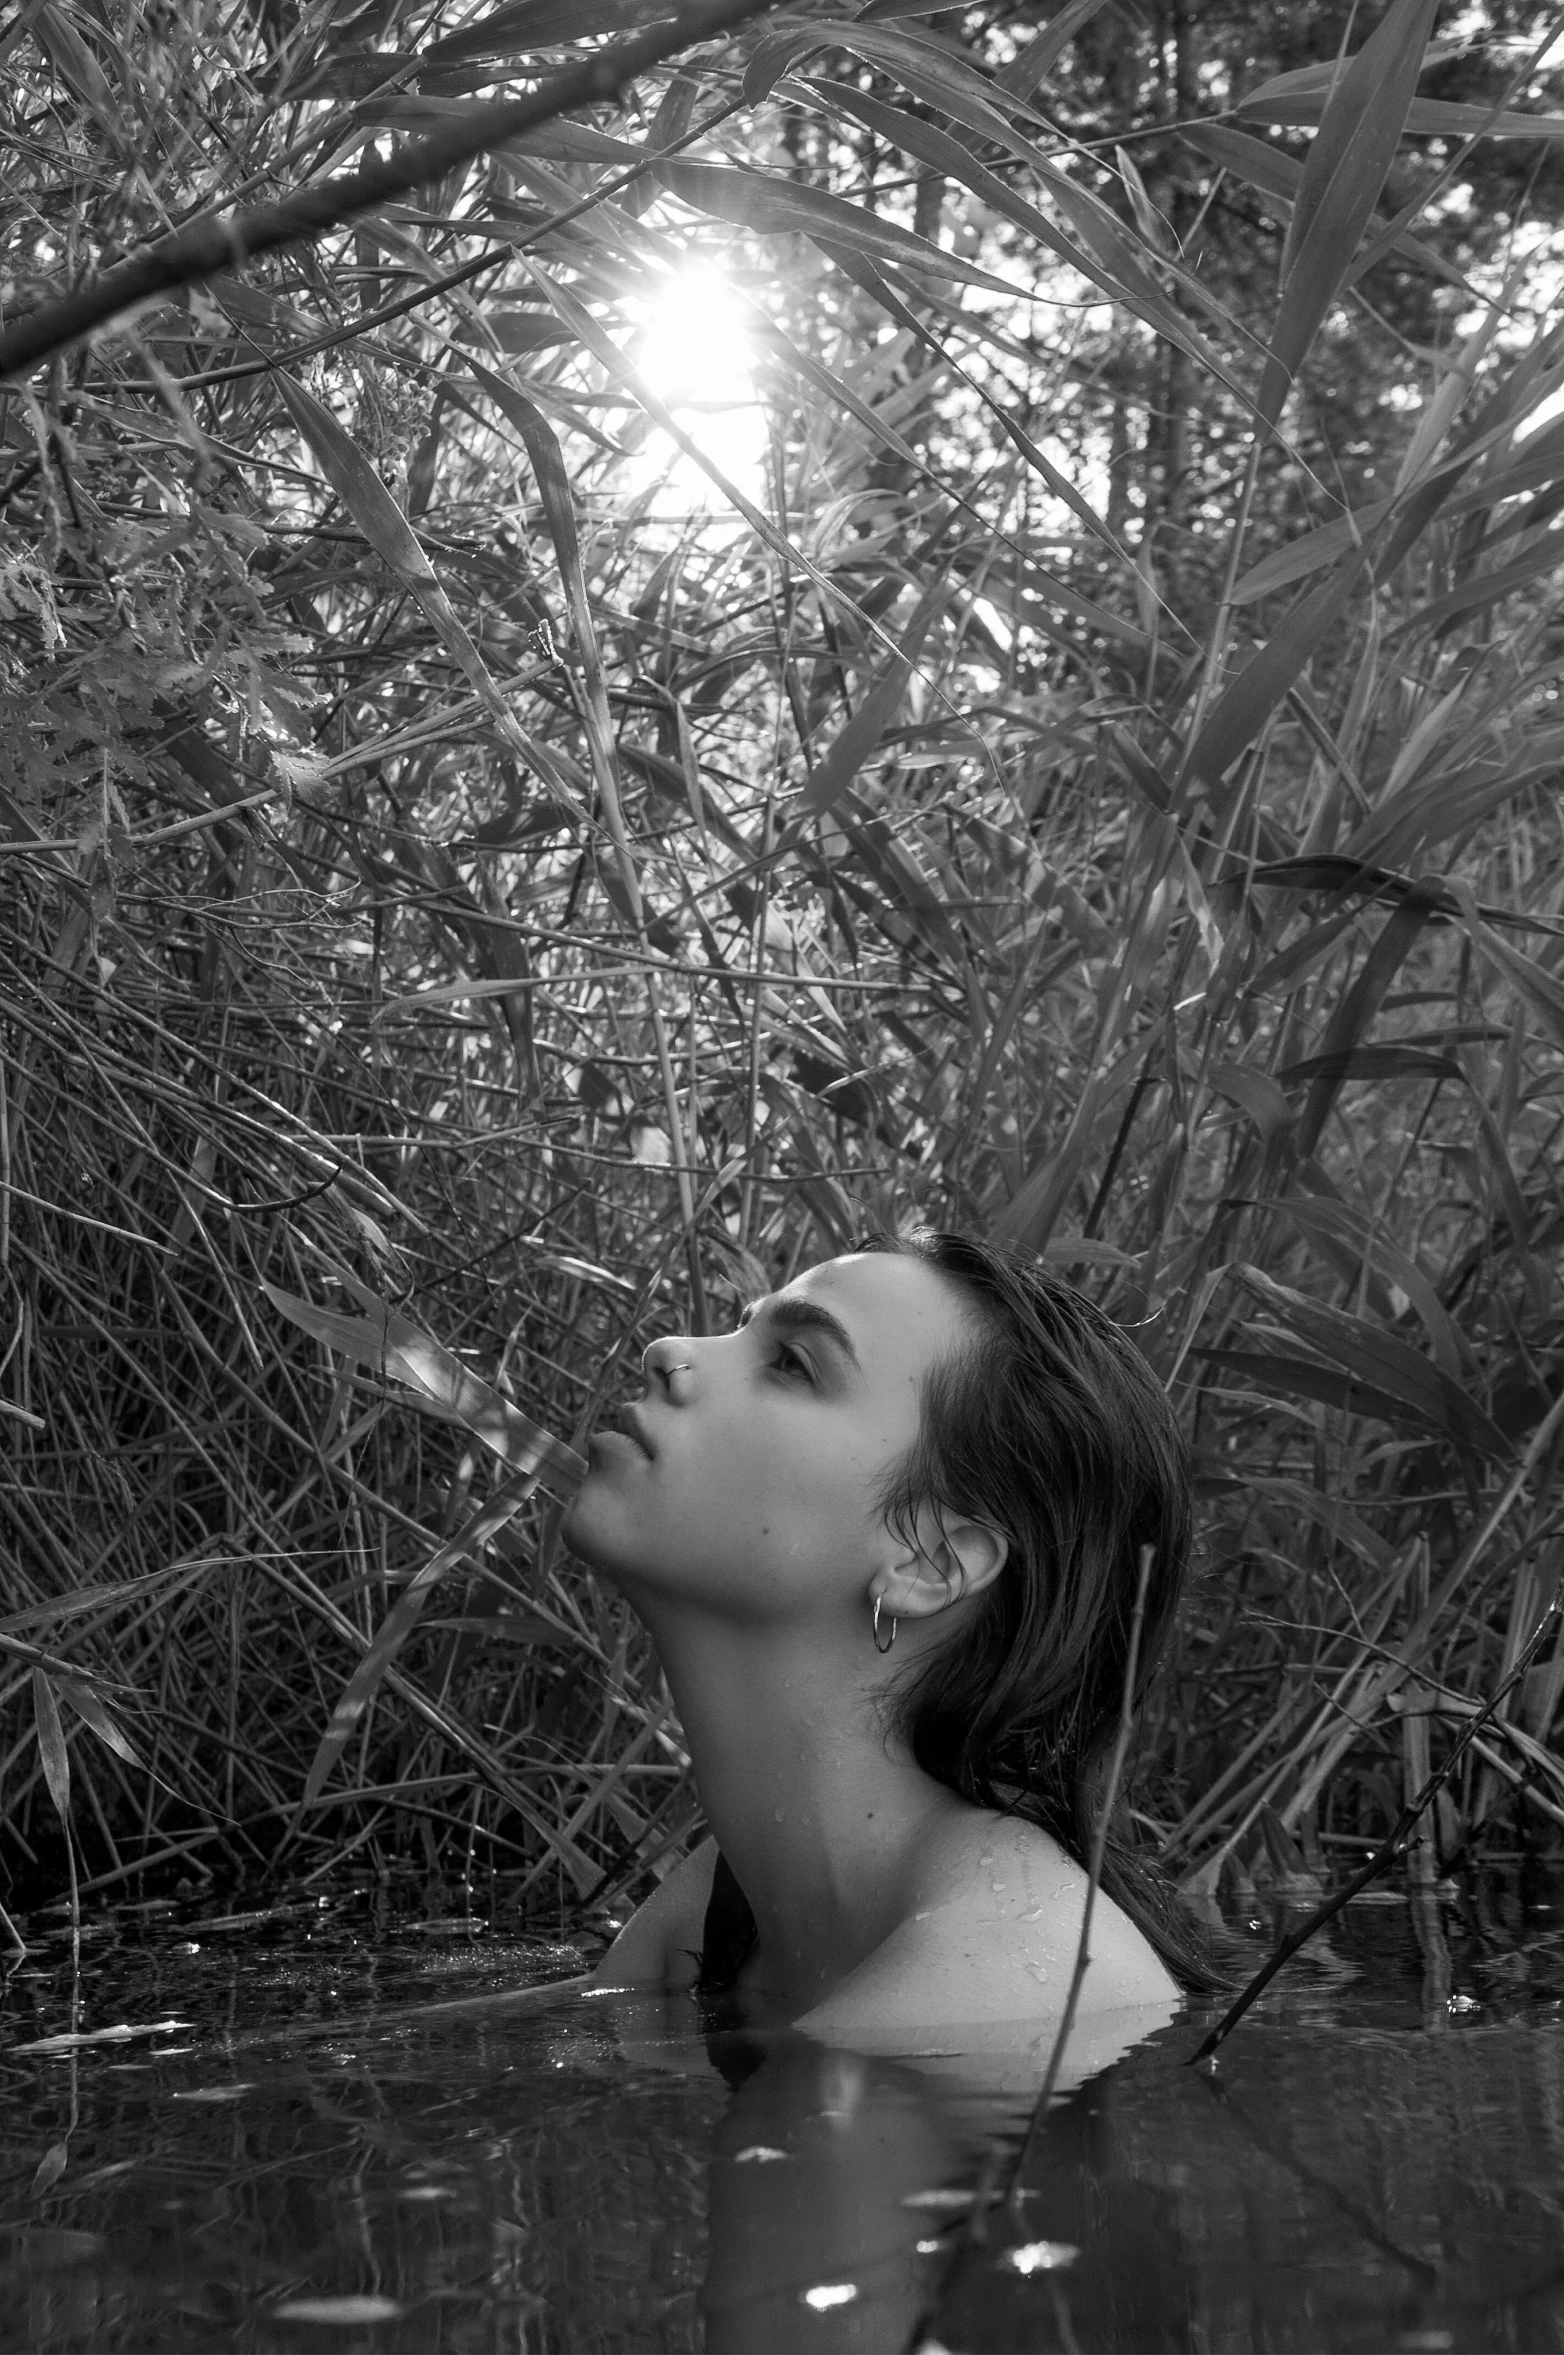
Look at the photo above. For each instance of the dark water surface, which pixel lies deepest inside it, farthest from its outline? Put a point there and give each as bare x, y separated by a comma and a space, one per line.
281, 2158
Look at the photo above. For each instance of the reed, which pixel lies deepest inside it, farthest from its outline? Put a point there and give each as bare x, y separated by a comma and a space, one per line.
486, 833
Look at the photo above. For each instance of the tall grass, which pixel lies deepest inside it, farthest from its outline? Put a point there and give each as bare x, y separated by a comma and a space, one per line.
480, 835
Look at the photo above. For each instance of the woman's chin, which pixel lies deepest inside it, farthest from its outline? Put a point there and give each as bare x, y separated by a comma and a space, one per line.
576, 1526
594, 1529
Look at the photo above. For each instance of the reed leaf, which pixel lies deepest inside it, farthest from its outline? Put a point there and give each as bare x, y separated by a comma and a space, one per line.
53, 1755
404, 1616
392, 1345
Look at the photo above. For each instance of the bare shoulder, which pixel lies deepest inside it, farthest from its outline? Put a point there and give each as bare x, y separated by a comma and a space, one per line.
992, 1939
660, 1944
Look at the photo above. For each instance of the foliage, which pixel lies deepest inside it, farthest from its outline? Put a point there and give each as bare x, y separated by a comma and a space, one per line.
787, 654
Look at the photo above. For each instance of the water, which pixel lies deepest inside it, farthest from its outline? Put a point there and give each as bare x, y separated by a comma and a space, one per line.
302, 2165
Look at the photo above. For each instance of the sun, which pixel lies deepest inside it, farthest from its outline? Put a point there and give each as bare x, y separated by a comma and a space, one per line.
694, 349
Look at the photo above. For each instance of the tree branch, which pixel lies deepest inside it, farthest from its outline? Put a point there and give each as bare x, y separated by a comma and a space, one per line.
228, 241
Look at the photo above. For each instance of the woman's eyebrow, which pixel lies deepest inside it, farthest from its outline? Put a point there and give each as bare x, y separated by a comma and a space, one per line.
804, 1316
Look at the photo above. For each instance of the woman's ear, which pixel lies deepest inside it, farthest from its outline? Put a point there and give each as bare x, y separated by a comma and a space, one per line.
953, 1558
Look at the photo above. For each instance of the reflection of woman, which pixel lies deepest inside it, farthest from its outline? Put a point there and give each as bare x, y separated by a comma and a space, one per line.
819, 2179
886, 1537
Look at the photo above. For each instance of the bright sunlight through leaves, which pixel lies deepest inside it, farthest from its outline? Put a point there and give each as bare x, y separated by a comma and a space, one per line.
695, 351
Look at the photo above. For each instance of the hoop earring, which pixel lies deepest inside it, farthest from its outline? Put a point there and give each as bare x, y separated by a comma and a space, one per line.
885, 1647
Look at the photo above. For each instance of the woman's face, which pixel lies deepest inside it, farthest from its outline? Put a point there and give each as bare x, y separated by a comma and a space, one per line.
746, 1479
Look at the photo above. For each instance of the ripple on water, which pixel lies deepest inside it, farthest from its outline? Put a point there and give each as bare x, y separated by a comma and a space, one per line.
611, 2176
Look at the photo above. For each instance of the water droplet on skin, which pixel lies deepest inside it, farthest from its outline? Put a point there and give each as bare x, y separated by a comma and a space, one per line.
998, 1885
1038, 1972
921, 1917
781, 1815
1035, 1914
987, 1856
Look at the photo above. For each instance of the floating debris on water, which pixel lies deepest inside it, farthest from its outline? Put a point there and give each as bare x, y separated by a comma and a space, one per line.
265, 1913
341, 2310
121, 2033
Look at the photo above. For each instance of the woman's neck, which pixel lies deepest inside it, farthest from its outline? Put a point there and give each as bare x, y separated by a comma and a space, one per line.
821, 1813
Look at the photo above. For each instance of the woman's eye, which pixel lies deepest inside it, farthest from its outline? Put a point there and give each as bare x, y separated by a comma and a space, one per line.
788, 1361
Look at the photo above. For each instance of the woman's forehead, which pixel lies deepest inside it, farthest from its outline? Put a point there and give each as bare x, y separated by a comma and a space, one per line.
901, 1312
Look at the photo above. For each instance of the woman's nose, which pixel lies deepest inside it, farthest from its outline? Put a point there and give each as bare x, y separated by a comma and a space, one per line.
665, 1358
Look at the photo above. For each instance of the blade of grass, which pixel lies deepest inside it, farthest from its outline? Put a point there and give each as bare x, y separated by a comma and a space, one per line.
1343, 175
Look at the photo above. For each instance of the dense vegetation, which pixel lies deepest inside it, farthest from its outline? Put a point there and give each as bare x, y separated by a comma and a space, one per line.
936, 614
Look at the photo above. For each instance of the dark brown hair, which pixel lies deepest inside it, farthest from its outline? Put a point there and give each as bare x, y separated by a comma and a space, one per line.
1052, 1427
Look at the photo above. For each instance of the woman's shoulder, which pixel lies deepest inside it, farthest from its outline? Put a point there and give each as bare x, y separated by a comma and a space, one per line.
991, 1936
660, 1945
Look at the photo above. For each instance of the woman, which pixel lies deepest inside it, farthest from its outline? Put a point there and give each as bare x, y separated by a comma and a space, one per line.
886, 1537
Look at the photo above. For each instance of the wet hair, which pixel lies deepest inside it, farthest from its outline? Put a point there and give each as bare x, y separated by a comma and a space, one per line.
1051, 1426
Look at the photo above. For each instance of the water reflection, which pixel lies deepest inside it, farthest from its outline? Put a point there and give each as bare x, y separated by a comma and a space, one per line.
619, 2172
818, 2247
603, 2176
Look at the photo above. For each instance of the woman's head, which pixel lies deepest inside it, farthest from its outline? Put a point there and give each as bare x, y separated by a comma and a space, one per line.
936, 1425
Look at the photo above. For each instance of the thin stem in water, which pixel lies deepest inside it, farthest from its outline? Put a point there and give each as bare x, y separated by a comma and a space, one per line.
1386, 1854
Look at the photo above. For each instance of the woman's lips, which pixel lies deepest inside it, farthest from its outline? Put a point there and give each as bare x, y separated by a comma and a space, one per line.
629, 1425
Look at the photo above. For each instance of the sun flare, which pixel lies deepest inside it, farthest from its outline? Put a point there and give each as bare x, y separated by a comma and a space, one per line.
694, 349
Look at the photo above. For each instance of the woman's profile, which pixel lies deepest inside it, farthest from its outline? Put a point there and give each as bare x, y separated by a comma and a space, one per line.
886, 1537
